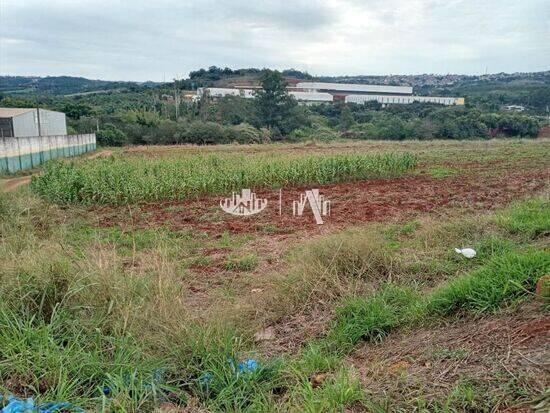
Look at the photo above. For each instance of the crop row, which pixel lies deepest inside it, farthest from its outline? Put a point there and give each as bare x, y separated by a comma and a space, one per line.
118, 180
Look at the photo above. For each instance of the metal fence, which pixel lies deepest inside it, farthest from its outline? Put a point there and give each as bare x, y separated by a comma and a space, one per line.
23, 153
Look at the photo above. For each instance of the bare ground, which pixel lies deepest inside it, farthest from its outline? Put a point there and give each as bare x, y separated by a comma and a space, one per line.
505, 352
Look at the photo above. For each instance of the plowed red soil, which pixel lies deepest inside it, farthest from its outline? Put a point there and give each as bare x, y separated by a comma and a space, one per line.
351, 203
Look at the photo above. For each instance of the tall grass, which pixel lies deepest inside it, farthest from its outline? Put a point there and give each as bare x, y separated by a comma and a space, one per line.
503, 279
117, 180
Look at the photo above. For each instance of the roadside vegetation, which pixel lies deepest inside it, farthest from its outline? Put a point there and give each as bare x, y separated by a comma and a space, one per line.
115, 319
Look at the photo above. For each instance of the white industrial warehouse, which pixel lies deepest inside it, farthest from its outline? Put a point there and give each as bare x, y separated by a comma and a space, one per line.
321, 92
19, 122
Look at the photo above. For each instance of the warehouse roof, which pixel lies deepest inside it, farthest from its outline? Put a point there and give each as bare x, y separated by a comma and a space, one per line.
12, 112
351, 87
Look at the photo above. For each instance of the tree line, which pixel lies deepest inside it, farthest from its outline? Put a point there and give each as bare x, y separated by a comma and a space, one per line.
149, 117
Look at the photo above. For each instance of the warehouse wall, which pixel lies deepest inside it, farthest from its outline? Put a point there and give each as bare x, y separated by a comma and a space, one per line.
25, 124
52, 123
23, 153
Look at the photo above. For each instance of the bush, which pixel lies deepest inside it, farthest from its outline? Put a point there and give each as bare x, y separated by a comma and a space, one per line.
110, 135
244, 133
317, 132
205, 133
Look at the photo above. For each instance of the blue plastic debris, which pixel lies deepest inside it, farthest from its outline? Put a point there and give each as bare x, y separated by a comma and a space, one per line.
244, 367
206, 378
106, 390
248, 366
16, 405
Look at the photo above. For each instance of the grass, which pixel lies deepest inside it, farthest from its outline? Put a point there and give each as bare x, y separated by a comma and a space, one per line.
244, 263
77, 323
440, 172
373, 318
531, 218
119, 180
503, 279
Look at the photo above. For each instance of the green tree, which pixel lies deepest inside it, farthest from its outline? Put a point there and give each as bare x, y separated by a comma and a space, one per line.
110, 135
346, 118
77, 110
274, 105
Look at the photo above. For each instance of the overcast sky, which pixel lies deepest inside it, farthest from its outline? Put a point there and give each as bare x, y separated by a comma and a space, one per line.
156, 39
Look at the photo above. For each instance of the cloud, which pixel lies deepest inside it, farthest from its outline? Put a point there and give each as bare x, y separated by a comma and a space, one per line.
142, 40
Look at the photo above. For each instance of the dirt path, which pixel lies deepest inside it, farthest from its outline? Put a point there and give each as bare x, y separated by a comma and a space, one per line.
9, 185
101, 154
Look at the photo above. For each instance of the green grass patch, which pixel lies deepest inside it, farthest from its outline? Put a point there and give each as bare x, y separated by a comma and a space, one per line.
373, 318
440, 172
529, 218
504, 278
245, 263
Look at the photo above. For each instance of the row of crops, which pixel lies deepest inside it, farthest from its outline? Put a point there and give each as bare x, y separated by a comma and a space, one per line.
119, 180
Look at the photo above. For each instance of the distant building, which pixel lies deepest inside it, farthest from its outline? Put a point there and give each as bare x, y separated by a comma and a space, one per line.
320, 92
26, 122
515, 108
311, 97
340, 90
399, 99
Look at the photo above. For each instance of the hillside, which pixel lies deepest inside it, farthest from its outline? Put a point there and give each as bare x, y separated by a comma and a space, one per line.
61, 85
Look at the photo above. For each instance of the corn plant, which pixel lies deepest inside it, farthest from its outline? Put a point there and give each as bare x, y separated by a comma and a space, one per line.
119, 180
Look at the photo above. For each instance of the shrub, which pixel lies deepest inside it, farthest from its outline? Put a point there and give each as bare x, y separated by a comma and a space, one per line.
244, 133
110, 135
202, 133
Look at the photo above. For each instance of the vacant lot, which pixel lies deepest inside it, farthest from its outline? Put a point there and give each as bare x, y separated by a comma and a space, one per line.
126, 288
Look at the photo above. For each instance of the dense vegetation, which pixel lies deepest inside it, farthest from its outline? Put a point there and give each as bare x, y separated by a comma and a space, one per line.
120, 180
147, 114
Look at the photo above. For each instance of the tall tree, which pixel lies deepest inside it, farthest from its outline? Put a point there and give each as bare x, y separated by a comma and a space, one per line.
275, 106
346, 118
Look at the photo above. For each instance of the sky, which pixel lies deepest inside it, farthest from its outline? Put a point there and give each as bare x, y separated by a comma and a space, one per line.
159, 40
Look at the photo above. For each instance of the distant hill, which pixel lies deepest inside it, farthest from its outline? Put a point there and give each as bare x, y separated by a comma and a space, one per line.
62, 85
530, 89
